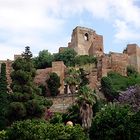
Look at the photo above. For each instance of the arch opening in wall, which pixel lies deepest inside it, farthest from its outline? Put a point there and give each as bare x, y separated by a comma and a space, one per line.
86, 37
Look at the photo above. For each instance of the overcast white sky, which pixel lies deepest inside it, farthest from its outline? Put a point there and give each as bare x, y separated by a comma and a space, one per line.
48, 24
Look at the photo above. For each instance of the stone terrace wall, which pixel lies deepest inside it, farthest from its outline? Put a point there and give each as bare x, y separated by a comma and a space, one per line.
43, 74
62, 102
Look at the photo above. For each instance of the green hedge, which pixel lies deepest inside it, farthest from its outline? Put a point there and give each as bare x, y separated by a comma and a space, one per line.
115, 122
41, 130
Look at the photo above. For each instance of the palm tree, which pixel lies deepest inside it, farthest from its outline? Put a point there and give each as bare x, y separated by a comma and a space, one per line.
86, 99
72, 79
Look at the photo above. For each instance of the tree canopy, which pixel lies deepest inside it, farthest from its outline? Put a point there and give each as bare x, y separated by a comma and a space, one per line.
43, 60
25, 99
67, 56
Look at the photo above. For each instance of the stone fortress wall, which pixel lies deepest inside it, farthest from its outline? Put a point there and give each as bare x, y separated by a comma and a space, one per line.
86, 41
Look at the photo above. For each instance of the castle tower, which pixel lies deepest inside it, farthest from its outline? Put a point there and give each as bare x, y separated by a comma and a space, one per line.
85, 41
133, 52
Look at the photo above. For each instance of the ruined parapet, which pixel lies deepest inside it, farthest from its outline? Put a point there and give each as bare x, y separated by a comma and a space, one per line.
62, 49
133, 52
59, 68
16, 56
85, 41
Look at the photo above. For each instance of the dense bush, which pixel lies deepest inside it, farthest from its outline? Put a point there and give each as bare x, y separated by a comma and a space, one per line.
43, 60
43, 90
53, 83
72, 114
67, 56
41, 130
115, 122
114, 83
3, 135
56, 118
85, 59
108, 89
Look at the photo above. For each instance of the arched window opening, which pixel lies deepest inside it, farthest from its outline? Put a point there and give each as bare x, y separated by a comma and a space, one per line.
86, 37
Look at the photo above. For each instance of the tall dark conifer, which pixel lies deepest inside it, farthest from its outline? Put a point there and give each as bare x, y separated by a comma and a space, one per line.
3, 80
25, 98
3, 97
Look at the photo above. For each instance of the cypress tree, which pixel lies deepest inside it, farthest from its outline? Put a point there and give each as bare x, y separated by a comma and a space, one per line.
3, 80
3, 97
25, 99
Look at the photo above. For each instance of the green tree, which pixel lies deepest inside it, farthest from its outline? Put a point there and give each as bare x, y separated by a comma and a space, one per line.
67, 56
114, 83
25, 99
85, 59
27, 54
42, 130
108, 89
53, 84
43, 60
115, 122
3, 97
3, 79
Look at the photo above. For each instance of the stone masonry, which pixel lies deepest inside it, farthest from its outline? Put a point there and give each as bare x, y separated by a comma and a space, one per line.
86, 41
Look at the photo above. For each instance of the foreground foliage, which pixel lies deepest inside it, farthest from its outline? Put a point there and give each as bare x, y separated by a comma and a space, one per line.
53, 83
41, 130
114, 83
115, 122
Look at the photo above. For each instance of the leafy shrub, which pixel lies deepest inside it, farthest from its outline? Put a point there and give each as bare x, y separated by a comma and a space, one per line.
85, 59
17, 111
72, 114
114, 83
56, 118
53, 83
43, 60
108, 89
41, 130
98, 106
114, 122
43, 90
131, 71
67, 56
3, 135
